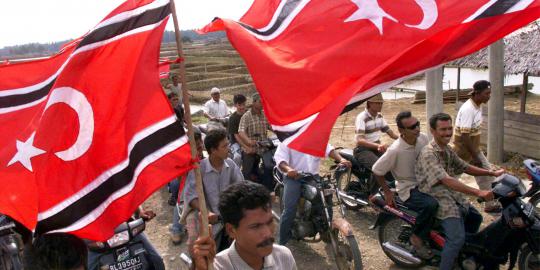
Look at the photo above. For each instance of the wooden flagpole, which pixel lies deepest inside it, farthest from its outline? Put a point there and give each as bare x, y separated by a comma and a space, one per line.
187, 117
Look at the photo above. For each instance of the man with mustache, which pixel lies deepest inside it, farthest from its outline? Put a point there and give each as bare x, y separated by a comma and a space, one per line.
399, 159
436, 170
246, 211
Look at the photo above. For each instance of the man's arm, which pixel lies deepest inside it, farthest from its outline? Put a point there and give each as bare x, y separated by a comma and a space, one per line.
381, 167
456, 185
477, 171
288, 170
337, 157
392, 134
360, 141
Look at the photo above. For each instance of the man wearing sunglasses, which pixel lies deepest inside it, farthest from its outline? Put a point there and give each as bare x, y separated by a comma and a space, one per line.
399, 159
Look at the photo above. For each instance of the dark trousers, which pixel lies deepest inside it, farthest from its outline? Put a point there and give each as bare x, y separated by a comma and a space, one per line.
367, 157
250, 167
426, 207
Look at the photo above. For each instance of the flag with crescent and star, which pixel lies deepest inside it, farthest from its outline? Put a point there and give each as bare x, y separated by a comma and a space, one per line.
314, 59
87, 134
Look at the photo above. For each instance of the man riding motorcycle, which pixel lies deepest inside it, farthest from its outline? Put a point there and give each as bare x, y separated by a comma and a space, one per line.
436, 169
399, 159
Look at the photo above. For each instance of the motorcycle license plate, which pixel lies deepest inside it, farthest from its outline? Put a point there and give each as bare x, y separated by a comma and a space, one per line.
134, 263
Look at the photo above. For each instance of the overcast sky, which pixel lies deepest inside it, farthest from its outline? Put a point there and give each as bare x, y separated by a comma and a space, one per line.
27, 21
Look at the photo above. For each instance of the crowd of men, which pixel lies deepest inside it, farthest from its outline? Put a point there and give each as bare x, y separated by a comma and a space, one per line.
238, 197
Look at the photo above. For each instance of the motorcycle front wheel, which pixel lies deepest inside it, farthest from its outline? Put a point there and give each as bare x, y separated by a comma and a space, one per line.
397, 232
346, 251
528, 260
343, 184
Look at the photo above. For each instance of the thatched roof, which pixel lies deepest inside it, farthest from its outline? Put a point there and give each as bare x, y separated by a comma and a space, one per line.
521, 54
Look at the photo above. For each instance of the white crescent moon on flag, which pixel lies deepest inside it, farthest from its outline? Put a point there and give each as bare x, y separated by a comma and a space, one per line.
429, 8
78, 102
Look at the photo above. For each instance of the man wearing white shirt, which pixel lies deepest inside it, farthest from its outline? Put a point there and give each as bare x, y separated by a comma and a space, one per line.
467, 137
292, 163
216, 109
399, 159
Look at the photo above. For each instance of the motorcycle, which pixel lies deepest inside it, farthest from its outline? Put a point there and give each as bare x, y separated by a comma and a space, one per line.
11, 245
533, 172
514, 237
355, 186
122, 251
315, 217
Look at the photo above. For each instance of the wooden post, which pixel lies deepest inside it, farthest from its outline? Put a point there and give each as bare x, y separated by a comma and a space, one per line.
458, 84
495, 130
187, 117
524, 91
434, 93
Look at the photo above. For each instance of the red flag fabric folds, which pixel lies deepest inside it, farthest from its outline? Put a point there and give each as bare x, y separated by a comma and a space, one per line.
310, 59
88, 133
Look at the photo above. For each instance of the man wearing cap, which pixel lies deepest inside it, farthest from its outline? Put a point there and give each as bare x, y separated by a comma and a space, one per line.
252, 131
467, 136
216, 109
370, 125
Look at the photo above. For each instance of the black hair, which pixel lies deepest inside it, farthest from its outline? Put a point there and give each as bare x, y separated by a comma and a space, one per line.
56, 251
239, 99
438, 117
480, 86
242, 196
197, 135
172, 95
402, 115
213, 138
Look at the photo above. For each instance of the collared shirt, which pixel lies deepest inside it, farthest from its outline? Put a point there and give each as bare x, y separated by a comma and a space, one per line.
255, 127
468, 120
399, 159
370, 127
299, 161
214, 182
281, 258
216, 109
434, 164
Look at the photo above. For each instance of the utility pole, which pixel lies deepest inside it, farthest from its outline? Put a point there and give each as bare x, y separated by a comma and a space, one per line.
434, 93
495, 130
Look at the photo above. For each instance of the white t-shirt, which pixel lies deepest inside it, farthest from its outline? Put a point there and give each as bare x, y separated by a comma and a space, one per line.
469, 119
216, 109
399, 159
299, 161
370, 127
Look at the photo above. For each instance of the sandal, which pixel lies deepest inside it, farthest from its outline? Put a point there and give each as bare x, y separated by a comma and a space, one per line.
423, 252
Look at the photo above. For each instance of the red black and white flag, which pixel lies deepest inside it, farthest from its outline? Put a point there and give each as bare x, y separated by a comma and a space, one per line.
87, 134
313, 59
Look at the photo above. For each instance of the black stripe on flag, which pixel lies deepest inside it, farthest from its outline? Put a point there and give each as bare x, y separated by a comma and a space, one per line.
148, 17
21, 99
96, 197
498, 8
284, 13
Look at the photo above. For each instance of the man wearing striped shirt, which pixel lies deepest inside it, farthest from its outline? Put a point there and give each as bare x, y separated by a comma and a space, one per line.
370, 125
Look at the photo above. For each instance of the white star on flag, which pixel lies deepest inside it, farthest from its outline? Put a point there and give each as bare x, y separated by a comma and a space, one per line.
370, 9
25, 151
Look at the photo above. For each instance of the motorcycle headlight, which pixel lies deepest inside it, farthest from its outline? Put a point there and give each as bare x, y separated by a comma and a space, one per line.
310, 192
118, 239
